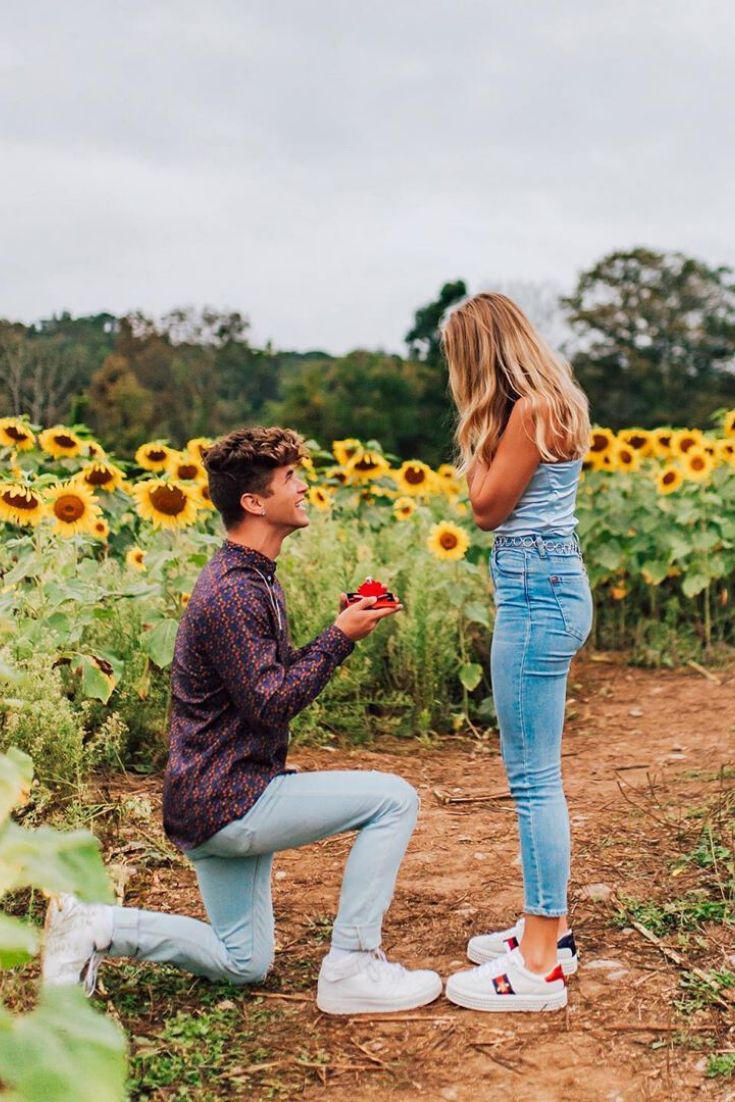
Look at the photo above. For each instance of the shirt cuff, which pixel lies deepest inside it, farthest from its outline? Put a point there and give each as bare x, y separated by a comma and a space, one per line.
334, 641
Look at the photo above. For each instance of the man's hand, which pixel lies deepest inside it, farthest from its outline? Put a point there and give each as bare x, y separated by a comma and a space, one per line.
359, 619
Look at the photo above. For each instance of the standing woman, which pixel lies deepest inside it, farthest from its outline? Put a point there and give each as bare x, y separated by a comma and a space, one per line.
523, 428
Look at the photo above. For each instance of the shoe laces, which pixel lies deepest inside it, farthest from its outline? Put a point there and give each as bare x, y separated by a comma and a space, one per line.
89, 972
379, 966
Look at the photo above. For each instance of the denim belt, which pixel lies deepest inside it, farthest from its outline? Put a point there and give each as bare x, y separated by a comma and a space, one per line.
549, 547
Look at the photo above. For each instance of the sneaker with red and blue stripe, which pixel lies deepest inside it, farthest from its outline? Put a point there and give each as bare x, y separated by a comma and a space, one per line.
485, 947
505, 984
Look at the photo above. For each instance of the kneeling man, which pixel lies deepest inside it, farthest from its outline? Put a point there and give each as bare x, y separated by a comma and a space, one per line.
230, 803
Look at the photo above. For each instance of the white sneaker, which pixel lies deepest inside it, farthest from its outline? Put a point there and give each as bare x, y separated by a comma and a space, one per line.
75, 937
506, 984
364, 983
486, 947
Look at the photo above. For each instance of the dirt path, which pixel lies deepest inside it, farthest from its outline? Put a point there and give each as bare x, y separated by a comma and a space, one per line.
664, 736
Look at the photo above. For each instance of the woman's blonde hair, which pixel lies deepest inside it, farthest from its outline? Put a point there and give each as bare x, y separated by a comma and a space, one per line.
495, 357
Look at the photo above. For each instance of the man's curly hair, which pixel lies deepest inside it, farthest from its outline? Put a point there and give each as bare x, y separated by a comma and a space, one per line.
243, 462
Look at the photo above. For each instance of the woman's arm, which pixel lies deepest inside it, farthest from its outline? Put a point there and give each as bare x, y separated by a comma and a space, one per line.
496, 488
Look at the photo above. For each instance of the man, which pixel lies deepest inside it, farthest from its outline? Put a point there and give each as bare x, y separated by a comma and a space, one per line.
229, 801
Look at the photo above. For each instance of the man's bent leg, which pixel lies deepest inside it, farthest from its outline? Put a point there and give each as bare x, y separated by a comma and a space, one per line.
300, 808
237, 947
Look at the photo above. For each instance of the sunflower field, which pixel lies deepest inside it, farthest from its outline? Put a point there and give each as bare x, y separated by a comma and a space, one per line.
99, 556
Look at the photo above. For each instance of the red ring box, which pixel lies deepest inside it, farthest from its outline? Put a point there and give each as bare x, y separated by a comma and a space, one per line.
373, 588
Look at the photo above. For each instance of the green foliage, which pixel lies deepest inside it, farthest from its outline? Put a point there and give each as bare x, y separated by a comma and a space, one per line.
62, 1051
721, 1066
657, 338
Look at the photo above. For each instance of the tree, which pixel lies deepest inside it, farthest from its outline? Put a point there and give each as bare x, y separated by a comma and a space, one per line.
423, 339
369, 395
656, 338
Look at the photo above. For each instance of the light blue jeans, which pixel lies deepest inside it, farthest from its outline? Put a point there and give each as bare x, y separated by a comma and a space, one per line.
234, 872
543, 616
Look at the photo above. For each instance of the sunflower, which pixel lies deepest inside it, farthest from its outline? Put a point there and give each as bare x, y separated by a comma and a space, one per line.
640, 439
205, 497
320, 498
60, 442
14, 433
198, 446
166, 504
185, 467
414, 477
337, 474
728, 424
366, 466
20, 504
184, 598
447, 541
625, 458
596, 461
725, 451
135, 558
101, 529
404, 507
669, 479
101, 475
153, 456
661, 442
601, 441
73, 509
307, 464
345, 450
618, 593
684, 439
697, 465
94, 450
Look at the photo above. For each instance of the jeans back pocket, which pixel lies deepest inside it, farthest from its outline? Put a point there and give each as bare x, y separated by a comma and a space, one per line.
572, 592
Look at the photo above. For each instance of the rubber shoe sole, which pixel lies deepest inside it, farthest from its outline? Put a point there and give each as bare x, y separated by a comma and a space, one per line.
333, 1003
505, 1004
478, 956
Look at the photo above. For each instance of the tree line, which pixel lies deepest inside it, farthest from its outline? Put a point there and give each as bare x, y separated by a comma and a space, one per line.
651, 337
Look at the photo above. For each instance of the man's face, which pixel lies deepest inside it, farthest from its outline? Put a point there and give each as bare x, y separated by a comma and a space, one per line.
284, 507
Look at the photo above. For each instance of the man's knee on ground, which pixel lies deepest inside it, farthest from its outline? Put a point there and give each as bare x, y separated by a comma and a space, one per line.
248, 970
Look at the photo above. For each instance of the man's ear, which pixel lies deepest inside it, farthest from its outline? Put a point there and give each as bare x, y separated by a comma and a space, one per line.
252, 505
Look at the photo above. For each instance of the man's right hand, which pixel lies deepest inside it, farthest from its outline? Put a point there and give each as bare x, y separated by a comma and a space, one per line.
359, 619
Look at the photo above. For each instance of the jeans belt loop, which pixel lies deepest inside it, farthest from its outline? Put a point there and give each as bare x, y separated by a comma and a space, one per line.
541, 547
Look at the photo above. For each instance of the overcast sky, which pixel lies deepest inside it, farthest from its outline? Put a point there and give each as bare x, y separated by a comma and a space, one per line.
324, 166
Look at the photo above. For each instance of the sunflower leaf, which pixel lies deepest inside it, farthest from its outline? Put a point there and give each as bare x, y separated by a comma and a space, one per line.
694, 584
470, 675
18, 941
159, 643
95, 684
476, 613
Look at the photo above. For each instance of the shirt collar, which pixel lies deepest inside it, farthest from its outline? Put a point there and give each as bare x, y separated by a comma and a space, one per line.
236, 552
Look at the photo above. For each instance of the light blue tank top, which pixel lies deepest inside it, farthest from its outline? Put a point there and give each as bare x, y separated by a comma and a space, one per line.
547, 505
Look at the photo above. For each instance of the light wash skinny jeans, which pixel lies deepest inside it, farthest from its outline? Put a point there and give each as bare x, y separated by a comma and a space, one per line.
543, 616
234, 872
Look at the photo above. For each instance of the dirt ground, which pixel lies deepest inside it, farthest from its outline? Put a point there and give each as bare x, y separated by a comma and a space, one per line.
660, 736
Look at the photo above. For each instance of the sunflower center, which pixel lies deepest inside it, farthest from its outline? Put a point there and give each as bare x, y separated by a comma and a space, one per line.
687, 443
664, 440
668, 478
599, 442
636, 441
698, 463
99, 477
448, 540
187, 470
169, 500
366, 463
65, 441
414, 475
15, 433
69, 508
156, 455
626, 457
20, 501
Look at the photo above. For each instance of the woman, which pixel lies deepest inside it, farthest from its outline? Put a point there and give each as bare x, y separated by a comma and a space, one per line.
522, 430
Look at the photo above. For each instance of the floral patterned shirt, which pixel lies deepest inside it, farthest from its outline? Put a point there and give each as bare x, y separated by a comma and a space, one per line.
236, 683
